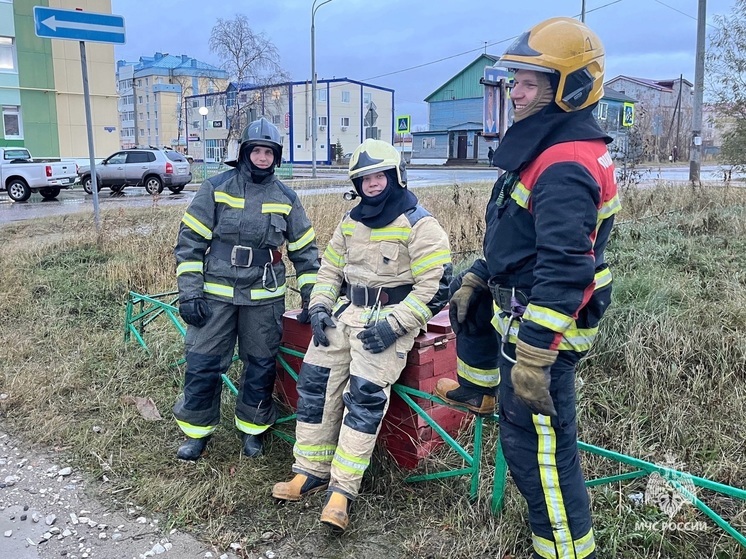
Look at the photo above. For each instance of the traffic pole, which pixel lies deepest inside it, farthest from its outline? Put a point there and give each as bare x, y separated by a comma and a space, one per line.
89, 129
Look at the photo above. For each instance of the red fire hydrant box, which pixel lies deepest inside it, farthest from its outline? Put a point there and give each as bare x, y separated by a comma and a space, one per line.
404, 434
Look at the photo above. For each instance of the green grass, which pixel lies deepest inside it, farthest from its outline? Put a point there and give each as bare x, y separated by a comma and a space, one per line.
667, 376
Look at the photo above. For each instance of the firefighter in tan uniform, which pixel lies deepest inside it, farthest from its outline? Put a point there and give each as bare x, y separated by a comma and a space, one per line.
384, 274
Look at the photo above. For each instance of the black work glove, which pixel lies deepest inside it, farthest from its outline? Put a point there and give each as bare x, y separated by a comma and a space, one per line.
195, 312
320, 319
304, 317
464, 300
377, 337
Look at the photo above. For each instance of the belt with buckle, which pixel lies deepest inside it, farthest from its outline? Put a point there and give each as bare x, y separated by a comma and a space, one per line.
363, 296
244, 256
508, 297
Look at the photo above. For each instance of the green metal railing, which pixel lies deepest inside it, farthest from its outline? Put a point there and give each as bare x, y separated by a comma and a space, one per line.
141, 310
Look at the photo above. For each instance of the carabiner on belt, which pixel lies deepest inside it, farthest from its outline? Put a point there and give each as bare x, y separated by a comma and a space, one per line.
268, 268
516, 312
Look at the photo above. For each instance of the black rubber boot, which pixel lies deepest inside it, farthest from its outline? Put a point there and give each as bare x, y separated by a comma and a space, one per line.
252, 445
192, 449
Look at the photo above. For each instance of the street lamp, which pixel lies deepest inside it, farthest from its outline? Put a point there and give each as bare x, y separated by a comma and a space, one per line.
314, 7
203, 111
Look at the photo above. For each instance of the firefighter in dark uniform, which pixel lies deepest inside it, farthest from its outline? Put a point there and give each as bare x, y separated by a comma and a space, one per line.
232, 287
547, 224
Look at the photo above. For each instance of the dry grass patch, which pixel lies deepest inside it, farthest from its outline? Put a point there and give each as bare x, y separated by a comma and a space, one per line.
668, 375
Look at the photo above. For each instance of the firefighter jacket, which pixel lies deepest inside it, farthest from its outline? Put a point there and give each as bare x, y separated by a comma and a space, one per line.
411, 250
230, 209
547, 224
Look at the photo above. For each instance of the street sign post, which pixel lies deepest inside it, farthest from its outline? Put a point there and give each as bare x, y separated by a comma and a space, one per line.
74, 25
77, 25
403, 124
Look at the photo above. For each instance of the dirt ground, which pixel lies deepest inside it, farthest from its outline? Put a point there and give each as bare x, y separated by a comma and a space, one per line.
48, 510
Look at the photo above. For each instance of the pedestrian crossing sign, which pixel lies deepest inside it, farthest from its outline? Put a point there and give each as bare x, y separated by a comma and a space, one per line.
628, 117
402, 124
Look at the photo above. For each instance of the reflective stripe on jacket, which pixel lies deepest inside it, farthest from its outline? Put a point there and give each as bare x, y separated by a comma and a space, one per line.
411, 250
547, 229
231, 208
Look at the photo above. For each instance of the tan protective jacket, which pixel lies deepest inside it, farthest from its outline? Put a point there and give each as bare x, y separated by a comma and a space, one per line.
411, 250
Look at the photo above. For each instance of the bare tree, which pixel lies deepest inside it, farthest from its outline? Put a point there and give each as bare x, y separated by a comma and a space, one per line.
726, 81
251, 60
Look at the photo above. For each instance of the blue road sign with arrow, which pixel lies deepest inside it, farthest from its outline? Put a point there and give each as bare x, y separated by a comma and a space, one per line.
73, 25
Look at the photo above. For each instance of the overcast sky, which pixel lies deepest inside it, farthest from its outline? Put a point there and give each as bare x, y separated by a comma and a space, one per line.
382, 41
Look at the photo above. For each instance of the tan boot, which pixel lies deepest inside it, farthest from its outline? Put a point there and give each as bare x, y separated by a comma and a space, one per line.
298, 487
336, 511
453, 393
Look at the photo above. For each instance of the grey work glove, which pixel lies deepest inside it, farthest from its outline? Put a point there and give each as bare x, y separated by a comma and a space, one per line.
320, 320
464, 300
195, 312
377, 337
531, 378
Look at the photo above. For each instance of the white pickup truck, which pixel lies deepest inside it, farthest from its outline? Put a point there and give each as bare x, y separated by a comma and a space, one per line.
20, 175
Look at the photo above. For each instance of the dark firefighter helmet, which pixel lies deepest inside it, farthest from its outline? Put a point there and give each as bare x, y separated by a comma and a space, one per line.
259, 133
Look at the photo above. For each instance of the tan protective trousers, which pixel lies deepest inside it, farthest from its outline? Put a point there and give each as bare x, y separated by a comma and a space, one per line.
343, 395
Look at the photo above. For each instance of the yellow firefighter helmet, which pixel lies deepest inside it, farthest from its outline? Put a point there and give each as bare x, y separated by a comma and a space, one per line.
565, 47
373, 156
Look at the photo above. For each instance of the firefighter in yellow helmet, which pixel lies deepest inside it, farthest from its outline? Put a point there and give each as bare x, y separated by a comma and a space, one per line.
547, 225
384, 274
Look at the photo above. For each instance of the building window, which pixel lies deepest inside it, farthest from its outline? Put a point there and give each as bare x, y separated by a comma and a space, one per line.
322, 121
215, 150
276, 94
367, 98
7, 55
345, 97
321, 93
12, 124
208, 101
428, 143
344, 121
276, 120
195, 103
230, 99
603, 111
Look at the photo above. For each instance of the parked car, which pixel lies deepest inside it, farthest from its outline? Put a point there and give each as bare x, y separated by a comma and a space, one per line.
20, 175
152, 168
188, 157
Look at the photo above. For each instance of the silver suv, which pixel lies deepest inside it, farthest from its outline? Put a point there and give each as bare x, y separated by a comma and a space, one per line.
150, 167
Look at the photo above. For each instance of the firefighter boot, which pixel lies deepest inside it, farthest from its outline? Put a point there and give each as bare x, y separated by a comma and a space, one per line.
336, 513
192, 449
298, 487
455, 394
252, 445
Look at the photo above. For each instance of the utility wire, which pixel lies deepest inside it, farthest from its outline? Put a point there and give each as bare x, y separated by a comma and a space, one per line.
477, 49
682, 13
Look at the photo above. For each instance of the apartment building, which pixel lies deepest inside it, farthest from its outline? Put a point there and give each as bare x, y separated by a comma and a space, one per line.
348, 111
41, 85
152, 93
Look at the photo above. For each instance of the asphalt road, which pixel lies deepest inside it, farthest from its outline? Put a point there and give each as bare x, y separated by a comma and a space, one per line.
77, 201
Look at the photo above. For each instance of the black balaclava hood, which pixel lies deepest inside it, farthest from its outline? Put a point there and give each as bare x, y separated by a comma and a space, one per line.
378, 211
526, 139
246, 166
